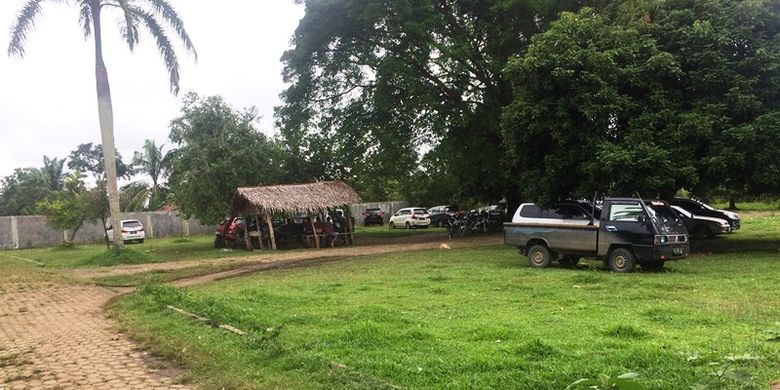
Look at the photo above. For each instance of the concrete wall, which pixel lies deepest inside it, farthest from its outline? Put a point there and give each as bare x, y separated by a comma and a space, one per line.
32, 231
388, 207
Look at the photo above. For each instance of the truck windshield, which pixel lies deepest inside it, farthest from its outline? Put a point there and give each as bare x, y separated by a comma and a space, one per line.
662, 215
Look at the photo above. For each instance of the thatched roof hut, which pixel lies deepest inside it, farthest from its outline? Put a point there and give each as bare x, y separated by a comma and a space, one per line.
307, 198
293, 198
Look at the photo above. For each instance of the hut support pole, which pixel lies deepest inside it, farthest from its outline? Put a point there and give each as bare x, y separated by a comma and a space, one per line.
270, 229
314, 231
247, 240
259, 232
349, 224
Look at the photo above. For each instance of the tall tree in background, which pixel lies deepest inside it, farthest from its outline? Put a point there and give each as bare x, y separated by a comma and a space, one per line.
219, 149
21, 191
153, 162
135, 15
402, 78
88, 159
55, 171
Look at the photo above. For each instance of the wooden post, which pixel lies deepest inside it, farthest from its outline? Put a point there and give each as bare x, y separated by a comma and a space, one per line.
350, 227
247, 240
270, 229
314, 231
259, 231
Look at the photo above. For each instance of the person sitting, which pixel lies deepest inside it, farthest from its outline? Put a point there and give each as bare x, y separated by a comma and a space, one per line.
329, 231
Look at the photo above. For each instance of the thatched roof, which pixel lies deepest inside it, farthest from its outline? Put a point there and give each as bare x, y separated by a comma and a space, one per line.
293, 198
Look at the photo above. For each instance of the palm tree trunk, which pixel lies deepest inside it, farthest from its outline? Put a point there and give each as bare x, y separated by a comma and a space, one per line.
106, 116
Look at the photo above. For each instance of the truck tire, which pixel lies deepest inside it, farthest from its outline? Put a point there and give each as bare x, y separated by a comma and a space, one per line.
539, 256
622, 260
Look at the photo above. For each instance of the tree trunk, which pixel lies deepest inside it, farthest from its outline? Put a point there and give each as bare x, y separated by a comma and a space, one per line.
106, 116
732, 203
75, 229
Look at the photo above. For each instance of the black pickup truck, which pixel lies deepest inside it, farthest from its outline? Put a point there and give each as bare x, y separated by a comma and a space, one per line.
628, 232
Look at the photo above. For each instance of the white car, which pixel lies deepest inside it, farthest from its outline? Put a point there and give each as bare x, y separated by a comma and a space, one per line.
411, 217
132, 230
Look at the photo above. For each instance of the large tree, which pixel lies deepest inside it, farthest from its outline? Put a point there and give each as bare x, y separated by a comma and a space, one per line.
219, 150
648, 97
152, 15
21, 191
377, 84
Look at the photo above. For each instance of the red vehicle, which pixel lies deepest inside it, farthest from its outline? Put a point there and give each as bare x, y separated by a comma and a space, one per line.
230, 233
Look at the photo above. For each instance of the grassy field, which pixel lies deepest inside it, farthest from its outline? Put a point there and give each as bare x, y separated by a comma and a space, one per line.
158, 250
479, 318
168, 249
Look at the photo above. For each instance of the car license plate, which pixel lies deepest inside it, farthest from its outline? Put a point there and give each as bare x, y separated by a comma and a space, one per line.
678, 251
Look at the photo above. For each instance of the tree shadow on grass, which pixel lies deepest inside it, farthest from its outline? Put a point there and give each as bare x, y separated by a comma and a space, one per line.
734, 245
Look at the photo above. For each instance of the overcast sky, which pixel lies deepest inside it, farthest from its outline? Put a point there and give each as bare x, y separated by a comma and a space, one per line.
48, 104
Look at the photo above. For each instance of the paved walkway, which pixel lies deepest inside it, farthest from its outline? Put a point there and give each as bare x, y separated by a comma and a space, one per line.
54, 334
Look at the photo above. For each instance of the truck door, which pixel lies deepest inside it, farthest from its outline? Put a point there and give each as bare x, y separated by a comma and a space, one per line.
625, 222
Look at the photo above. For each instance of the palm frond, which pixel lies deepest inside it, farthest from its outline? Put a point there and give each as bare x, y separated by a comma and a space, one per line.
164, 45
85, 18
164, 9
128, 27
25, 21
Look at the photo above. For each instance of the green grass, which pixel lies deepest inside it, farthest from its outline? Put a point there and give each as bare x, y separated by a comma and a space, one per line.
157, 250
750, 206
475, 318
110, 258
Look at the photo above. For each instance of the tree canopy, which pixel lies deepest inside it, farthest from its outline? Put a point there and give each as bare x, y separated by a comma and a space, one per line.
490, 98
649, 99
219, 150
404, 79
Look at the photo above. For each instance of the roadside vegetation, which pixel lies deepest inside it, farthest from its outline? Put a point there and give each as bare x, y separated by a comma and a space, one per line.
479, 318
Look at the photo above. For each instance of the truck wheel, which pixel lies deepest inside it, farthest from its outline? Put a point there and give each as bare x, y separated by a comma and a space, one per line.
569, 261
392, 225
701, 232
539, 256
622, 260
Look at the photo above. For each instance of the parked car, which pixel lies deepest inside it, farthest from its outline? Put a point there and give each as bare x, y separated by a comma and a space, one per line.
440, 215
132, 230
702, 209
411, 217
702, 227
373, 216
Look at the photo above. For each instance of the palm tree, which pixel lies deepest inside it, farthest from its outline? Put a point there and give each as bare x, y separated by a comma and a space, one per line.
153, 162
135, 14
54, 168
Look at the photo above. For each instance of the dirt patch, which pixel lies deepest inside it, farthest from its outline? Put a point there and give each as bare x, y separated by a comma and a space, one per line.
301, 259
364, 246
